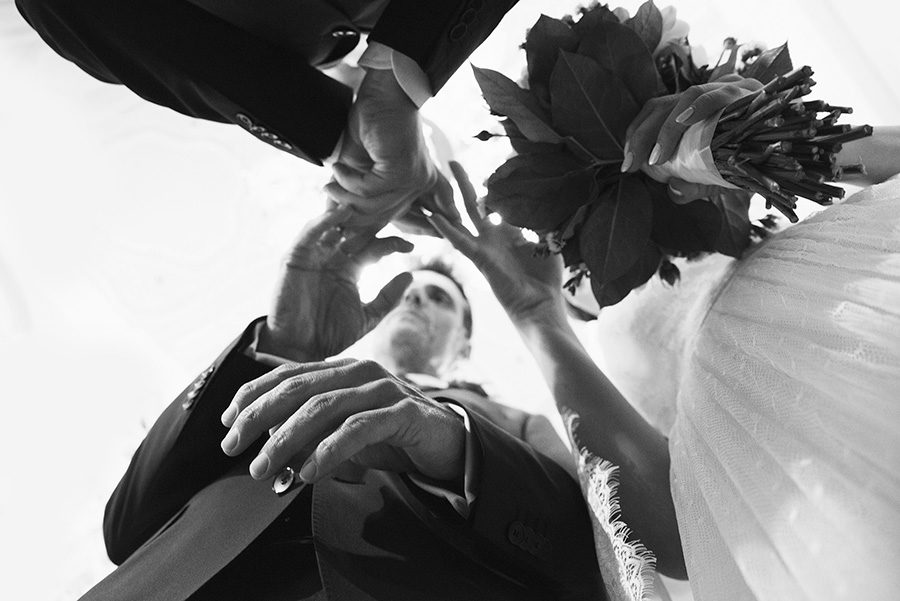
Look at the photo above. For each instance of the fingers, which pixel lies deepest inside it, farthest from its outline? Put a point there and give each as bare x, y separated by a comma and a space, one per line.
323, 413
642, 133
260, 408
370, 210
388, 298
461, 240
439, 199
696, 104
358, 432
359, 182
415, 222
314, 228
673, 126
468, 193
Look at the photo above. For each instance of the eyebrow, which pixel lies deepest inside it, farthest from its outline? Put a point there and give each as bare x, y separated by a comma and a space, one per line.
436, 291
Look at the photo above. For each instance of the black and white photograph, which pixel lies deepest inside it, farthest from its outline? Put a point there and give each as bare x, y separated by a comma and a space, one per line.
459, 300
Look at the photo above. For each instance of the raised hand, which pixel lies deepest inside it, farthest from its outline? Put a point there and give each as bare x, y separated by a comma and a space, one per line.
383, 165
527, 286
653, 136
317, 312
326, 414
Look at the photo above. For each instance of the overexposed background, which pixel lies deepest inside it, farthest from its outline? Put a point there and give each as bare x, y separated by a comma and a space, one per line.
136, 242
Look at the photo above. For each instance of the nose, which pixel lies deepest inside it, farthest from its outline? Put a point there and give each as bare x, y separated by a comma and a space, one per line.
413, 297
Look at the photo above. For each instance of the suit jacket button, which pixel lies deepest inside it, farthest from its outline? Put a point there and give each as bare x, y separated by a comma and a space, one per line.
516, 533
458, 32
190, 399
468, 16
344, 32
283, 481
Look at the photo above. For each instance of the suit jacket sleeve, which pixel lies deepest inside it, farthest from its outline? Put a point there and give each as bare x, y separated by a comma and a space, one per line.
179, 456
439, 35
174, 53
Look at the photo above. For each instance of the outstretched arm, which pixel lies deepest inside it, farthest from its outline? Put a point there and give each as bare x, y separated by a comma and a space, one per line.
528, 287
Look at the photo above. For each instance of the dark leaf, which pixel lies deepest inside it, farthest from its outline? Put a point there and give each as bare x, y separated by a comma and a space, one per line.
508, 99
726, 68
686, 228
571, 253
590, 104
770, 64
523, 145
616, 231
647, 23
618, 49
542, 46
609, 293
734, 233
539, 191
597, 14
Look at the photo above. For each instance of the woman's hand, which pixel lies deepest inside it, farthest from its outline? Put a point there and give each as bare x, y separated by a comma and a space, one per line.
317, 312
653, 136
527, 286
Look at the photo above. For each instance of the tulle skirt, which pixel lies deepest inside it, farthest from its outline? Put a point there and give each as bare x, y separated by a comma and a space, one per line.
786, 442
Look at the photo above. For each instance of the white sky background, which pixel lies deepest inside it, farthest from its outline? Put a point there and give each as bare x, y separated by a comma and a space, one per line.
136, 242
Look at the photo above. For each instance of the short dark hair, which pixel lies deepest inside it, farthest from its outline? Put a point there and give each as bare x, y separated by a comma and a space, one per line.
444, 268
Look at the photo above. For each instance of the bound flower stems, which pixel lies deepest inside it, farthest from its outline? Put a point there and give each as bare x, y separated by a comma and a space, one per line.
777, 145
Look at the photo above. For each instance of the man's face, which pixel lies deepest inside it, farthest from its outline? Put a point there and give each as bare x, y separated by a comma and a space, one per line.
426, 330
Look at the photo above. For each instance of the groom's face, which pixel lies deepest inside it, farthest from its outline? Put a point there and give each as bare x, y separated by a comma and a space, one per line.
429, 324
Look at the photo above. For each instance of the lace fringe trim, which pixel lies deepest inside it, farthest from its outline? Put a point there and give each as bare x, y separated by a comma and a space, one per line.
628, 567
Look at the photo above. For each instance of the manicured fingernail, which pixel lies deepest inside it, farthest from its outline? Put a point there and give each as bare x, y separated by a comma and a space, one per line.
260, 466
308, 471
627, 161
654, 155
229, 415
685, 115
675, 191
230, 441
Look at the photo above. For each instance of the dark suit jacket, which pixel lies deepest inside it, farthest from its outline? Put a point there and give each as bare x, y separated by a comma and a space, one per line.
184, 510
254, 66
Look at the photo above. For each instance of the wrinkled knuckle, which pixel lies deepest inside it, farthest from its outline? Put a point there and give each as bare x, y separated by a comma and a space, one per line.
246, 417
320, 403
247, 389
370, 368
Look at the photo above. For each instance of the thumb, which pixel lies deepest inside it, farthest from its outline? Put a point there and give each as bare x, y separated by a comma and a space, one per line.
387, 299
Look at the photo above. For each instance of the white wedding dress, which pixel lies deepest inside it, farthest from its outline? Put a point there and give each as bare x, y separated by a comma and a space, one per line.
785, 444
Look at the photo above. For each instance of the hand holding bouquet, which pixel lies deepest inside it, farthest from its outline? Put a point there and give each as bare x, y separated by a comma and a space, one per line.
603, 203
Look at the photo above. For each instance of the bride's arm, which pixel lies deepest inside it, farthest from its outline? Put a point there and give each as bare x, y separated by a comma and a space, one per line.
880, 153
608, 426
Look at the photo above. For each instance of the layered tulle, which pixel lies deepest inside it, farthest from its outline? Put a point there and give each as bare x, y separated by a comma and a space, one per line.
786, 444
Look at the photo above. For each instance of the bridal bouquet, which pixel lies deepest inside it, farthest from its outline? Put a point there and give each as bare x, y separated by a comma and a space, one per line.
587, 79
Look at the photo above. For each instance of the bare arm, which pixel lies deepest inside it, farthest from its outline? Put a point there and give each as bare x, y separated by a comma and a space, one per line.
608, 426
880, 153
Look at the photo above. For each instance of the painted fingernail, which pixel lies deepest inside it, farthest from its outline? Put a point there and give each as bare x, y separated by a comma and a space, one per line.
230, 441
685, 115
308, 471
229, 415
654, 155
260, 466
627, 161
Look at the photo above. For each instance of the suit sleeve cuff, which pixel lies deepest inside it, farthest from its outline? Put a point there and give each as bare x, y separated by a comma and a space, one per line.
408, 73
460, 504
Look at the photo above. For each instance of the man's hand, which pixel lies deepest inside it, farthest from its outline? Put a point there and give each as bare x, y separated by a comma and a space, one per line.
327, 414
383, 165
317, 312
527, 286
